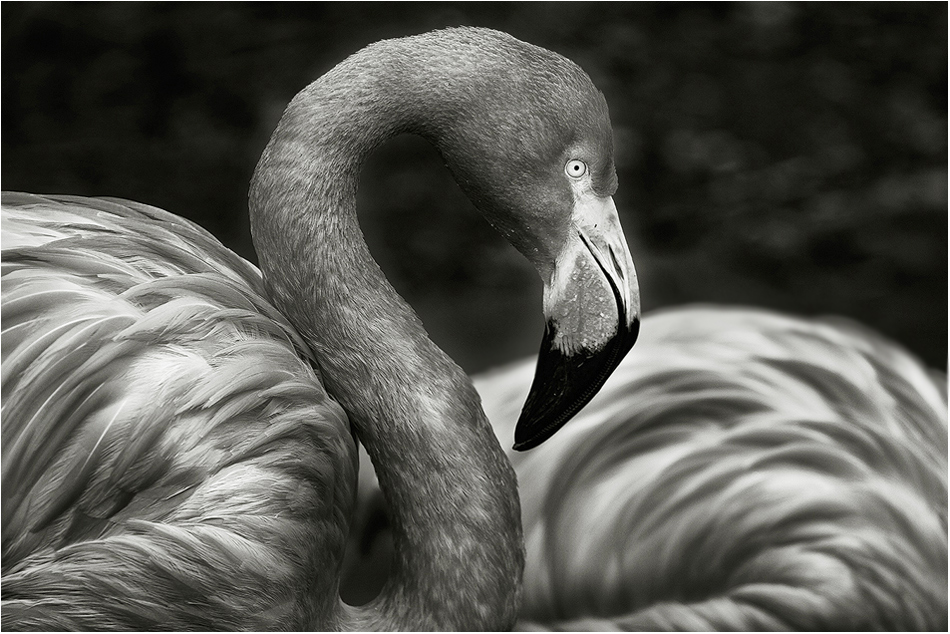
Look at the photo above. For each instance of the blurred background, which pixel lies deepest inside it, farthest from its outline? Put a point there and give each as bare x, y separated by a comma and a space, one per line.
784, 155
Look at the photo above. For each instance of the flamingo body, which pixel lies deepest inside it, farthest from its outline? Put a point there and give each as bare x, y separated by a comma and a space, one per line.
166, 439
741, 470
172, 457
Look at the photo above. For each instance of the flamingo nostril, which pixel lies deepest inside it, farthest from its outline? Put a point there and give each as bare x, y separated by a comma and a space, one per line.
616, 263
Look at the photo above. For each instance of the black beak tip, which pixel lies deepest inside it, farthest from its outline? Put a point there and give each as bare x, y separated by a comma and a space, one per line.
564, 384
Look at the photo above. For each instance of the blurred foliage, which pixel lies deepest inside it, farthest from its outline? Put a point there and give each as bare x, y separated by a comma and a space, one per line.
783, 155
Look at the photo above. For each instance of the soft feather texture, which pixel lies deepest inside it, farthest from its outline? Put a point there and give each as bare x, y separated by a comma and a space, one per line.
135, 346
171, 459
741, 470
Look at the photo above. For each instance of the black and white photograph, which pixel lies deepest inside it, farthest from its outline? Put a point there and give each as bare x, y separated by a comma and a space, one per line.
474, 316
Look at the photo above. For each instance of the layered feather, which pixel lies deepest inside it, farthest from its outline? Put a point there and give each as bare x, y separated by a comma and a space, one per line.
741, 470
170, 456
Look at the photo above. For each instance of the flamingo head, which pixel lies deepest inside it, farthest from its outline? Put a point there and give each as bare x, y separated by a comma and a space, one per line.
529, 139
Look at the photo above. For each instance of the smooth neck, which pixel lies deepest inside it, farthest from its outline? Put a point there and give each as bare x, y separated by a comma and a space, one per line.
451, 492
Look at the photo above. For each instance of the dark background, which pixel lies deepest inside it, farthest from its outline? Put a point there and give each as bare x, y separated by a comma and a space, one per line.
790, 156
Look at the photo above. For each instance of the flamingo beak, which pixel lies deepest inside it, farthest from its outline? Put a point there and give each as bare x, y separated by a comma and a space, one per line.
592, 306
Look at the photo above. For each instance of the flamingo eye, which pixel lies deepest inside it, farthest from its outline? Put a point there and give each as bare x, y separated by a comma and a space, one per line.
575, 168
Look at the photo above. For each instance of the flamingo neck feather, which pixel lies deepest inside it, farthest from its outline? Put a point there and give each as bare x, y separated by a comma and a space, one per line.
451, 492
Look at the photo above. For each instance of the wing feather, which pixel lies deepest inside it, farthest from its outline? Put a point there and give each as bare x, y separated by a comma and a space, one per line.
151, 390
740, 470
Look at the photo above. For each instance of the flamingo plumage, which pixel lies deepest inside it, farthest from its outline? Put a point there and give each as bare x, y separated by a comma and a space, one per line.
147, 381
741, 470
179, 428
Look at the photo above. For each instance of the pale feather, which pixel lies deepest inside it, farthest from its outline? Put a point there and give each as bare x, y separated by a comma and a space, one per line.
740, 470
135, 347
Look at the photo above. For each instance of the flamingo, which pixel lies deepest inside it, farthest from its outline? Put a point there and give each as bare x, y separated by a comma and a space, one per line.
179, 428
741, 470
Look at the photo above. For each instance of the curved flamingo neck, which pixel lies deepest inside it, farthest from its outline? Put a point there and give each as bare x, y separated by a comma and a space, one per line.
451, 492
